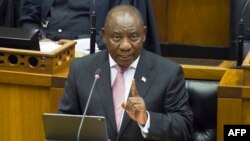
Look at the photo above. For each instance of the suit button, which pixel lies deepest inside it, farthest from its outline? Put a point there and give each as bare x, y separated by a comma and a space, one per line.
59, 30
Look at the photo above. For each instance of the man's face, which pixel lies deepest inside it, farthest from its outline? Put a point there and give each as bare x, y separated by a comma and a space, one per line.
124, 36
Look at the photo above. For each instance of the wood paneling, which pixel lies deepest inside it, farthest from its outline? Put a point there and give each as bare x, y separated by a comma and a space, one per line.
22, 107
246, 70
229, 112
21, 112
160, 12
246, 111
233, 99
196, 22
203, 72
232, 77
204, 69
25, 78
55, 97
24, 97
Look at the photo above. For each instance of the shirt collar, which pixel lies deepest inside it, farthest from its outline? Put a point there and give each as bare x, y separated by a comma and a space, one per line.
113, 63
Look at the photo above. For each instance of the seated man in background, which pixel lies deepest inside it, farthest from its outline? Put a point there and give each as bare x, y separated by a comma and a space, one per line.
155, 108
66, 19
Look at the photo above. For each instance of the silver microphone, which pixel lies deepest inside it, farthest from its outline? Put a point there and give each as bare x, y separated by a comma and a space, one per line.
97, 76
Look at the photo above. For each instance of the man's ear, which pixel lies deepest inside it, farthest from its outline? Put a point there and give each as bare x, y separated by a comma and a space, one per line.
103, 35
145, 33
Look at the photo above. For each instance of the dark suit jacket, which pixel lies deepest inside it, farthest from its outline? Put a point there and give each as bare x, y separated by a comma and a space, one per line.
163, 91
37, 10
34, 11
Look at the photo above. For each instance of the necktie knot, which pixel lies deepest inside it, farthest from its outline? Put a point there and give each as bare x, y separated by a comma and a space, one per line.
121, 69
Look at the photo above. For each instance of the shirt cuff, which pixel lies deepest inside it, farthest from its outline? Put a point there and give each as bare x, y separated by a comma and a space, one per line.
144, 129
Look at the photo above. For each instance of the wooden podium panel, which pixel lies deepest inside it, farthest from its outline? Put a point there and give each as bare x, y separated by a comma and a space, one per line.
26, 93
230, 101
21, 109
204, 69
36, 61
246, 72
234, 98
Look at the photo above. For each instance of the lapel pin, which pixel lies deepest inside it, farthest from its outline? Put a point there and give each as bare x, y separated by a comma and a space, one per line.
143, 79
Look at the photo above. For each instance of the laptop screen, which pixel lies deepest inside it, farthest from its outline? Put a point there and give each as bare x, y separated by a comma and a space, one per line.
65, 127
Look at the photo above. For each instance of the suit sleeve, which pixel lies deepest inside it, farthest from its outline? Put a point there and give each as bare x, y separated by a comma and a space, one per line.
30, 16
69, 103
30, 11
175, 123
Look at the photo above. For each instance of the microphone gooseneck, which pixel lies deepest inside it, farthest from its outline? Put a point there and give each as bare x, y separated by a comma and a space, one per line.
97, 76
241, 37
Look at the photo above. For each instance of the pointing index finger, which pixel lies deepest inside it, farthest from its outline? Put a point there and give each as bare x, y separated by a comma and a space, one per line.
134, 90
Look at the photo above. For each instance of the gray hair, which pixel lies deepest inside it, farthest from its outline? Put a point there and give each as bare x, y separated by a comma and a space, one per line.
121, 9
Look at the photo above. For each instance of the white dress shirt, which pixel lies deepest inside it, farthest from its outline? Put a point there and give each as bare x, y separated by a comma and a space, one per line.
128, 76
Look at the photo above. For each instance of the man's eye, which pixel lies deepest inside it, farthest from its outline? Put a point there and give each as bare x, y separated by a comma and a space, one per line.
134, 37
116, 38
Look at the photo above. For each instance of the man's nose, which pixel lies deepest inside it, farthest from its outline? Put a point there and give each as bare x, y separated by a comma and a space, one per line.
125, 44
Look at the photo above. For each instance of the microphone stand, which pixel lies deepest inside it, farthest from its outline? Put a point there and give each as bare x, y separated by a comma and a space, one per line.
93, 29
97, 76
240, 43
241, 38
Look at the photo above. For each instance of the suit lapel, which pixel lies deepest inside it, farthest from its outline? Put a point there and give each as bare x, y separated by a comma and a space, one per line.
105, 92
144, 79
144, 74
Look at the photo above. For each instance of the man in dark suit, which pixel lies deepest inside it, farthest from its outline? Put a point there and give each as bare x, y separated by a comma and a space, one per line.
66, 19
62, 19
156, 107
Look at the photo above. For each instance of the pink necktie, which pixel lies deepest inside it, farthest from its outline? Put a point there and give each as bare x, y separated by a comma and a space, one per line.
119, 95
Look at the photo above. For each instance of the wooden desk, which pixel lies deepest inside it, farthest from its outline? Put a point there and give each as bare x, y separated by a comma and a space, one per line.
26, 95
206, 69
234, 98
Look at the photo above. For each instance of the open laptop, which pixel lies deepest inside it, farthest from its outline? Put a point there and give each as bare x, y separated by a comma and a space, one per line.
65, 127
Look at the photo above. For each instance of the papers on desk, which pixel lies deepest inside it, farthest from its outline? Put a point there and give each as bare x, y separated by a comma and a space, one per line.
82, 47
48, 46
